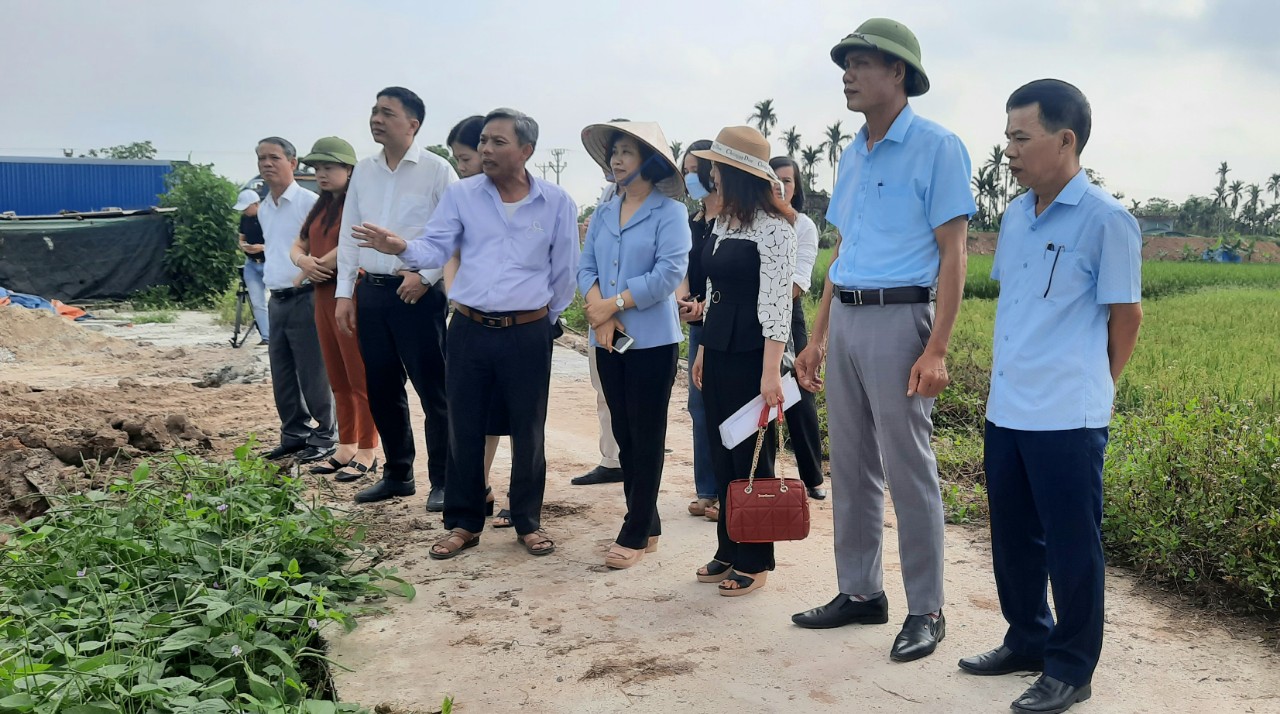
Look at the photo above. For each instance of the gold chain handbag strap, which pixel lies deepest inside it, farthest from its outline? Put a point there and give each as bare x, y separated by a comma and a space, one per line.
755, 458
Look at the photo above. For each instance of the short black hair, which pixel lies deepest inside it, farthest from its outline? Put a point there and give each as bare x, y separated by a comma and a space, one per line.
797, 198
704, 165
289, 151
466, 132
526, 128
652, 167
411, 102
1062, 106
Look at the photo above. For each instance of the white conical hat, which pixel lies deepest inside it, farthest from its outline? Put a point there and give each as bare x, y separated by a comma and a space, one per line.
596, 138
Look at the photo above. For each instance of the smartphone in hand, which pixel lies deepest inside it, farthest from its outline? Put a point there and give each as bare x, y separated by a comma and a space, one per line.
622, 341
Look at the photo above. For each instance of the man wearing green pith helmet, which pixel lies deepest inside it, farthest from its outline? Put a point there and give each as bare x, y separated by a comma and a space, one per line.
902, 204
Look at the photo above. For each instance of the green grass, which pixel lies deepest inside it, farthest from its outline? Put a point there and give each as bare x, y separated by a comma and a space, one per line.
183, 587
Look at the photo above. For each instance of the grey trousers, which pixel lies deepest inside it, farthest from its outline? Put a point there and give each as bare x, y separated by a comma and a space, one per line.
879, 434
609, 450
298, 379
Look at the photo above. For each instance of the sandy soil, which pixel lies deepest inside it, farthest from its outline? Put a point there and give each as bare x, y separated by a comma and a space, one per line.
502, 631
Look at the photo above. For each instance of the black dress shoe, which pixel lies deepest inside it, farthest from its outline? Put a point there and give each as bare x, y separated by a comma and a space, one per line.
844, 610
600, 474
435, 500
384, 489
315, 453
817, 493
284, 450
919, 637
1001, 660
1050, 696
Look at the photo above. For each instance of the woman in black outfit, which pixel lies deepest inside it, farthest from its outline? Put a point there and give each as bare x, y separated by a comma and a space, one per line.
746, 324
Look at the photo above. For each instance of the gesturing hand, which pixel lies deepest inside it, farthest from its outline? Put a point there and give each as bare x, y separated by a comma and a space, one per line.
378, 238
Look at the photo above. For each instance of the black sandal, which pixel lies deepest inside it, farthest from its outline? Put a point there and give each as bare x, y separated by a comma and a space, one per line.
504, 513
716, 571
360, 471
332, 466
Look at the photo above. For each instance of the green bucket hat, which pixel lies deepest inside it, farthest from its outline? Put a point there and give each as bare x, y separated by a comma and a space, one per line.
331, 149
891, 38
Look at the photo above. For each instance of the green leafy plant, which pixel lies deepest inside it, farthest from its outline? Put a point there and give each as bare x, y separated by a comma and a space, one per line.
151, 318
202, 260
184, 587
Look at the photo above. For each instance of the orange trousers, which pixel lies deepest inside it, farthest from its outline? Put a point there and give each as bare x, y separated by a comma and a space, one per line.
345, 367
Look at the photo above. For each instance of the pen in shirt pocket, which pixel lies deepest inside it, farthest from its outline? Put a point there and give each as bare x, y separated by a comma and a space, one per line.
1057, 253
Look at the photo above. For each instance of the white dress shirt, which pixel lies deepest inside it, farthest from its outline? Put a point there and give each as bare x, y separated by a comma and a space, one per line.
806, 251
400, 201
281, 224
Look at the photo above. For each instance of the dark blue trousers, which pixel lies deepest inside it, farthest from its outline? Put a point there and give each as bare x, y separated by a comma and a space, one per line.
1045, 491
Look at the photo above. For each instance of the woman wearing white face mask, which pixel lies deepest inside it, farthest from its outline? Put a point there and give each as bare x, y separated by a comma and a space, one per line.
690, 296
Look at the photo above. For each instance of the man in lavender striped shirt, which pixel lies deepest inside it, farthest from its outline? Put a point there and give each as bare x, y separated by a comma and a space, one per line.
518, 239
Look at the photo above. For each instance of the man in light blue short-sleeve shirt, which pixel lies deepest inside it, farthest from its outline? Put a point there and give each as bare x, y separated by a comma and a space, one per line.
1069, 265
902, 204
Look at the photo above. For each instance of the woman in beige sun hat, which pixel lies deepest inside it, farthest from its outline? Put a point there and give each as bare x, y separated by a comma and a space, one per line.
749, 263
634, 256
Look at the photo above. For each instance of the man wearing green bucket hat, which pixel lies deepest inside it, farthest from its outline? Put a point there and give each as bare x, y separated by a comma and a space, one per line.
901, 203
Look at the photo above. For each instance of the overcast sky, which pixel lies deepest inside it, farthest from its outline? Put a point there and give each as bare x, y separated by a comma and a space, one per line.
1177, 86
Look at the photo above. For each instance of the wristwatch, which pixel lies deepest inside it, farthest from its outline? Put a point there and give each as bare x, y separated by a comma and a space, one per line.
622, 304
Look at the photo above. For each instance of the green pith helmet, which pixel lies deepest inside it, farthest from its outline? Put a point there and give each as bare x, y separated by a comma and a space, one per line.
891, 38
331, 149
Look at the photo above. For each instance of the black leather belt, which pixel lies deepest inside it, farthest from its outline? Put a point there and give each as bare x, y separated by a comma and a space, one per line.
735, 298
382, 280
885, 296
286, 293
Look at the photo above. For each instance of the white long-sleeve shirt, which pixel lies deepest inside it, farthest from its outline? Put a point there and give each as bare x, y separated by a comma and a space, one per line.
401, 201
806, 251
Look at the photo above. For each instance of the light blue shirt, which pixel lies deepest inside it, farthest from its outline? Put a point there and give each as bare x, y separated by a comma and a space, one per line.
1059, 272
649, 257
888, 201
511, 264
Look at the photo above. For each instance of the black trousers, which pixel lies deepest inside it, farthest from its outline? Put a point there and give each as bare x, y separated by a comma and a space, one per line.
298, 380
1045, 490
729, 380
513, 365
802, 417
637, 386
398, 340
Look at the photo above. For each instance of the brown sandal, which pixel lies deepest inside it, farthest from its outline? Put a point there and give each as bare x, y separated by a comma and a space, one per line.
712, 513
700, 506
620, 558
536, 538
457, 541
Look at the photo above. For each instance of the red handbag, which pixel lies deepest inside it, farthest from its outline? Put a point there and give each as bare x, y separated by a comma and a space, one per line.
766, 510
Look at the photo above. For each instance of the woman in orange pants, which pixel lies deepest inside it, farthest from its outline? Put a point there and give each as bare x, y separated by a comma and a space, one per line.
316, 253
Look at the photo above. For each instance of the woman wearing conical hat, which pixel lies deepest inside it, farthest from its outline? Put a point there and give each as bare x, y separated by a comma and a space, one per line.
635, 255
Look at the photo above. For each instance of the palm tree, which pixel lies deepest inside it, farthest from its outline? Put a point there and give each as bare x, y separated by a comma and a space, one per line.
835, 146
764, 117
792, 141
810, 157
1273, 185
1223, 170
1235, 190
676, 148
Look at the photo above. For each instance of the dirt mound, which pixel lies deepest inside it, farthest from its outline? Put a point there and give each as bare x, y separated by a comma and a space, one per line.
31, 335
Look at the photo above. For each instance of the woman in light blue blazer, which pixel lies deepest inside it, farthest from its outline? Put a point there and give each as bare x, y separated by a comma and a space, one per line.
635, 255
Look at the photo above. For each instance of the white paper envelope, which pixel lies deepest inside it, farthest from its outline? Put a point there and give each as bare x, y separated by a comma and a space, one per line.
746, 421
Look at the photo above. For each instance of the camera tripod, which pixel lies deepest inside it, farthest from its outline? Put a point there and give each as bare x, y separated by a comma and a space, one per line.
243, 305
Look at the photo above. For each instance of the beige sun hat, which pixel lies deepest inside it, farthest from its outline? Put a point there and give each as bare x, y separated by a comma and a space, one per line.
596, 138
742, 147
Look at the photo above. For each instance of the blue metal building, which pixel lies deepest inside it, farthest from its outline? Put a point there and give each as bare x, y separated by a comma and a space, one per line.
41, 186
